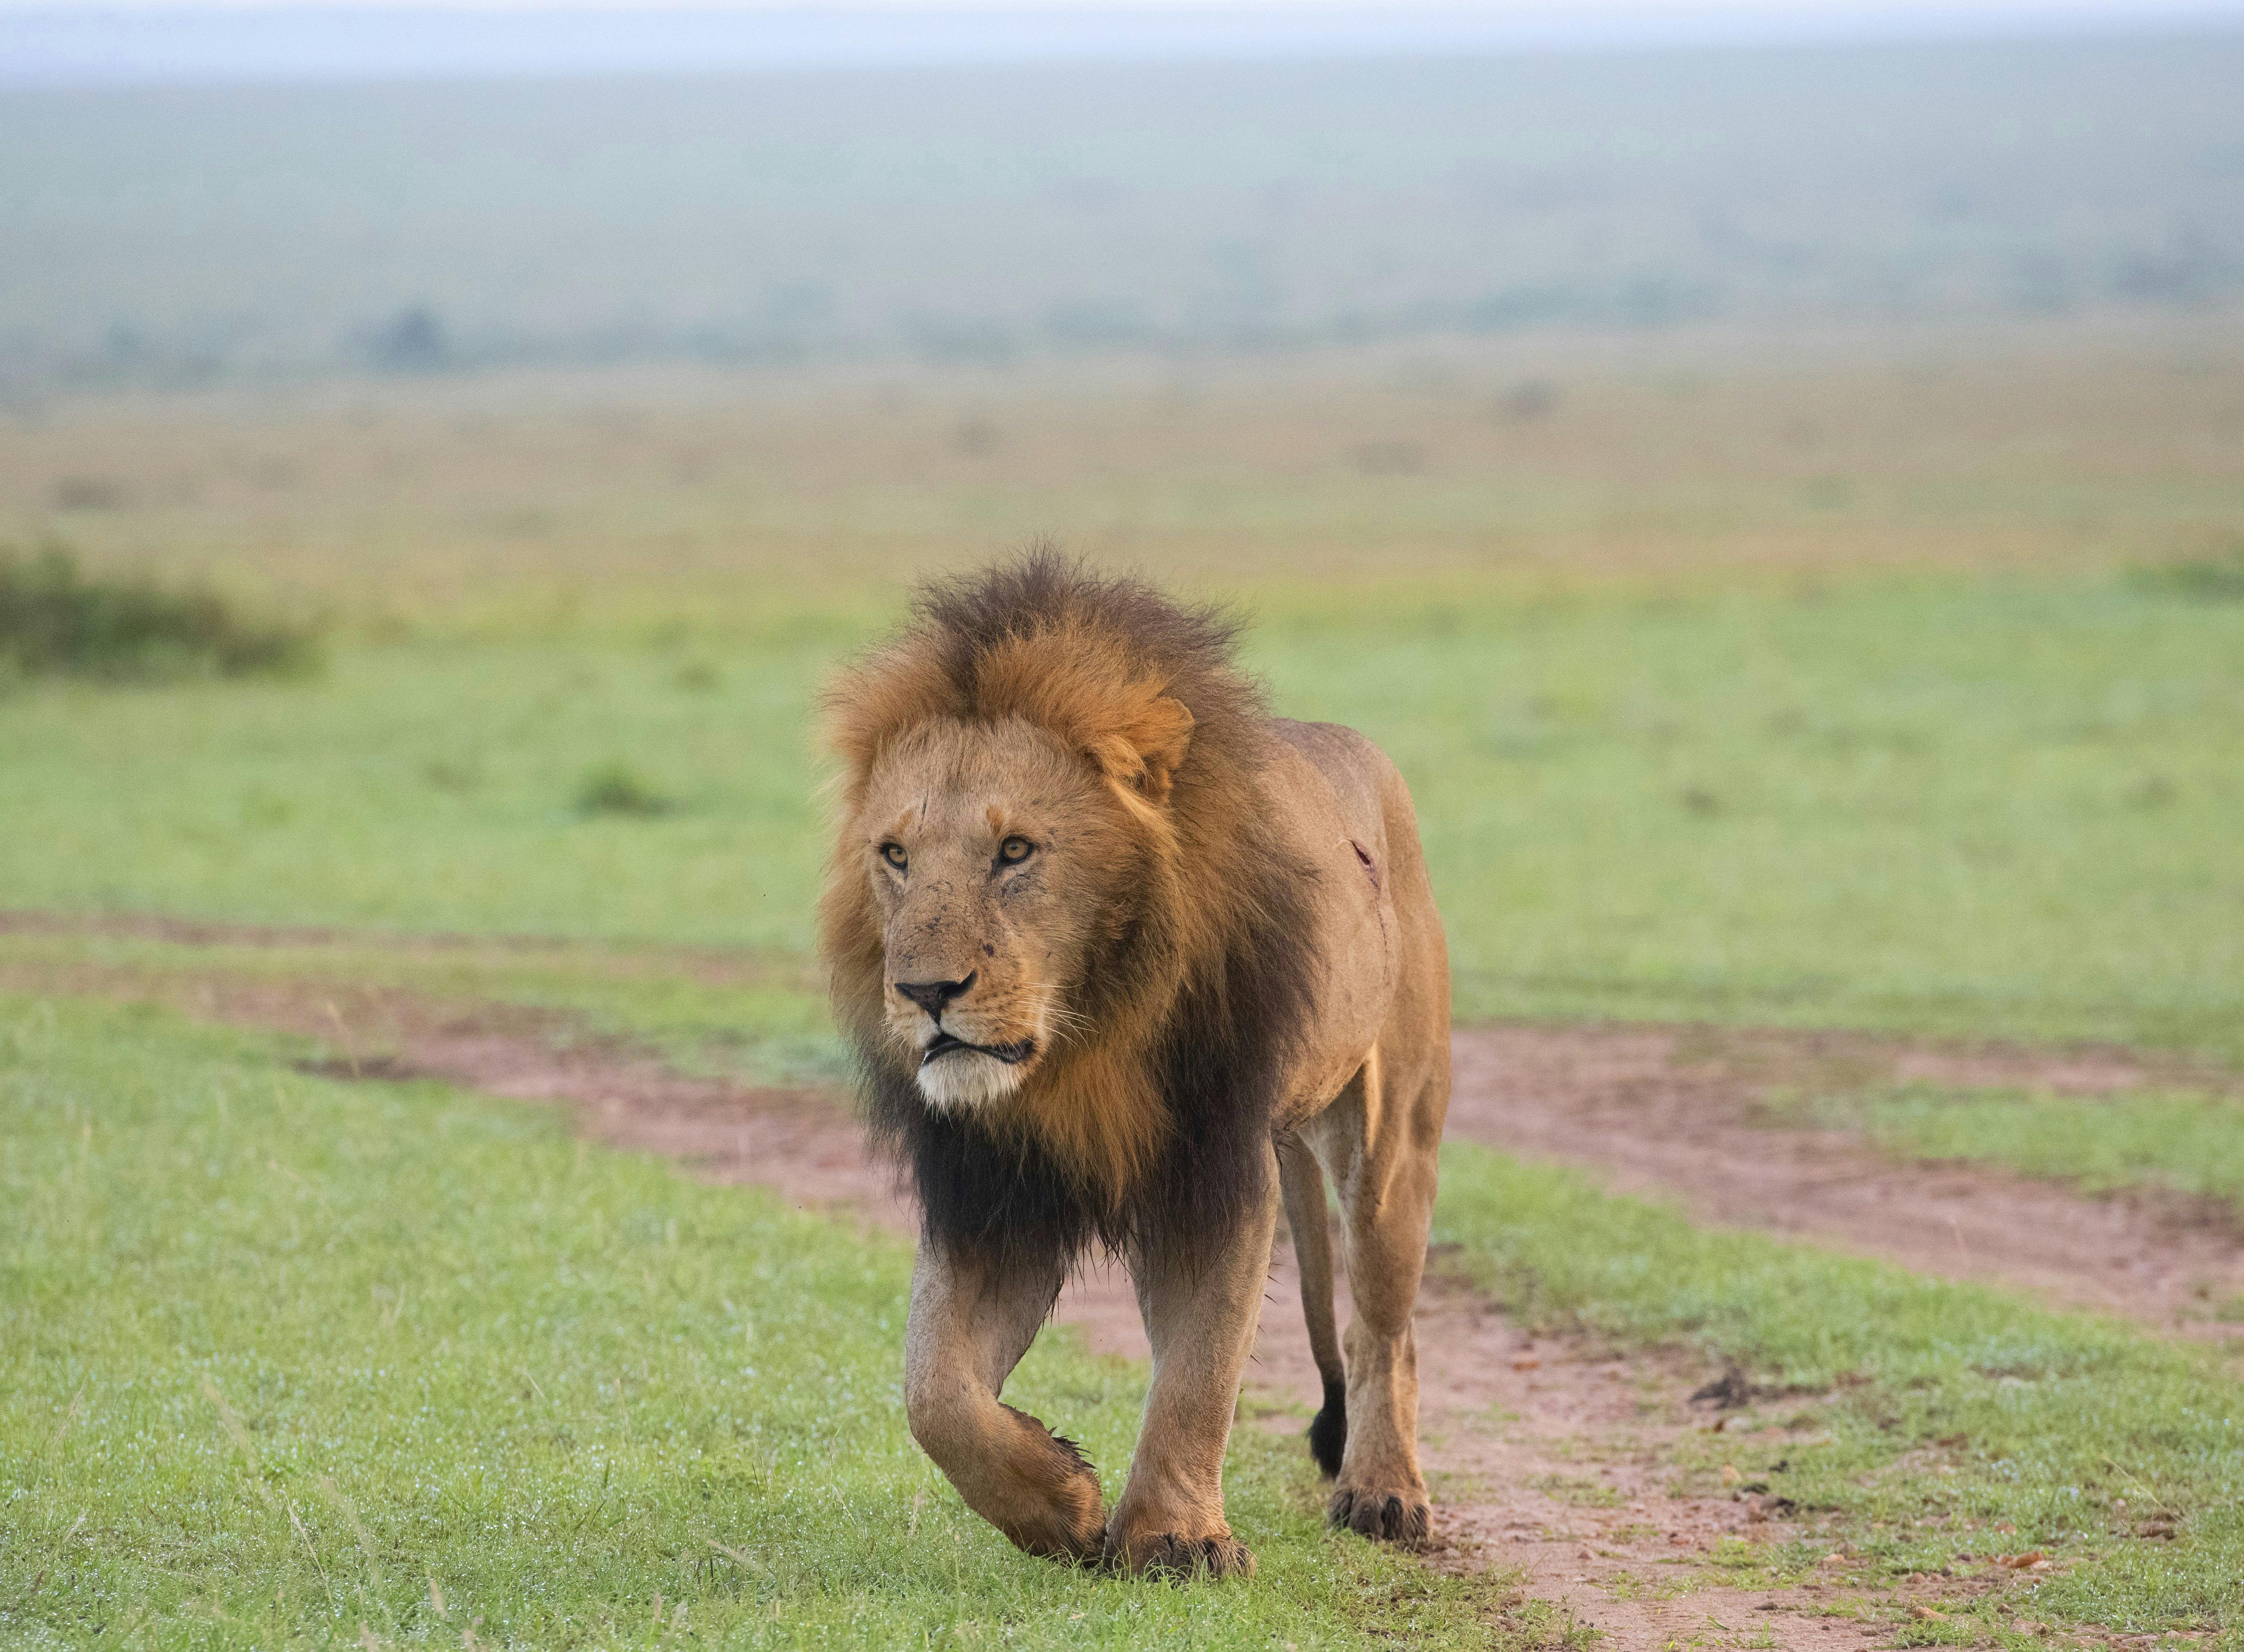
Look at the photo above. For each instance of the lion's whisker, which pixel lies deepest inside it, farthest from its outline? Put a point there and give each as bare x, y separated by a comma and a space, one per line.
1051, 1013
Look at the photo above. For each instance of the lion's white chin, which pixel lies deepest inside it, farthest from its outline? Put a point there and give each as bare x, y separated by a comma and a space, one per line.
968, 1079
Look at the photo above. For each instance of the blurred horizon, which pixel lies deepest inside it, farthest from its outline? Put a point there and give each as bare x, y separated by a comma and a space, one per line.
992, 217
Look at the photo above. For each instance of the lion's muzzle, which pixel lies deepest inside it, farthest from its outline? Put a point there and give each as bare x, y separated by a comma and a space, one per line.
961, 1072
966, 1058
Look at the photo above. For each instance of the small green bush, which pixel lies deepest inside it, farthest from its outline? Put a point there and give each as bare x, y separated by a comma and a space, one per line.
2214, 579
58, 621
617, 789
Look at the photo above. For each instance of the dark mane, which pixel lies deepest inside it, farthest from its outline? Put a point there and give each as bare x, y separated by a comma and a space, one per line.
1205, 994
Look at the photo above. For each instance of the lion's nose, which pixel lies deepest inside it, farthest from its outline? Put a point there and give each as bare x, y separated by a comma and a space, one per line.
931, 996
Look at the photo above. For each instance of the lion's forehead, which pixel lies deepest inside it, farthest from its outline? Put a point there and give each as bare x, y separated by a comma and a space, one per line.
967, 780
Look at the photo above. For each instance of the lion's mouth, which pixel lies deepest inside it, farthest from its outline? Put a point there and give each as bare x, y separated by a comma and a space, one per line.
943, 1044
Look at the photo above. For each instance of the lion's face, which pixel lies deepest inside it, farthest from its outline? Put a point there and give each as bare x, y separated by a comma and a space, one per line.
996, 857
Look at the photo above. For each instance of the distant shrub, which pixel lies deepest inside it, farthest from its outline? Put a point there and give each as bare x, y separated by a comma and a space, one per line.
2219, 578
88, 493
1529, 399
413, 340
617, 789
58, 620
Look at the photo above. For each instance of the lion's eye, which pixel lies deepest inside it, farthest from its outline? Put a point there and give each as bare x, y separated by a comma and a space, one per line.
1014, 850
893, 853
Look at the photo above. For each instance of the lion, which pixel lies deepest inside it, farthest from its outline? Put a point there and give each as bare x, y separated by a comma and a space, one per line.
1128, 962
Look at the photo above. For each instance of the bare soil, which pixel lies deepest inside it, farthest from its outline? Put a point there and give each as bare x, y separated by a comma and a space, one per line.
1680, 1113
1547, 1457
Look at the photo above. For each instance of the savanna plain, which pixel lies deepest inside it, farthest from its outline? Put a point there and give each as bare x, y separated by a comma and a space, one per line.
1861, 716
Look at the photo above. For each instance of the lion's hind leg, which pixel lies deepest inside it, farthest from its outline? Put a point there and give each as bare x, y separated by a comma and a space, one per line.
1303, 1183
971, 1323
1382, 1153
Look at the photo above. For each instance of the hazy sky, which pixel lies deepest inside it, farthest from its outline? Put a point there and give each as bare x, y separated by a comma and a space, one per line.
1538, 11
124, 42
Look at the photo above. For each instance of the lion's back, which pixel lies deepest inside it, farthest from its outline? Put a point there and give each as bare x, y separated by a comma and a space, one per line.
1366, 788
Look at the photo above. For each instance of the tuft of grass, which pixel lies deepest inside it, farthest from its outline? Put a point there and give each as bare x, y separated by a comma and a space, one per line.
2219, 578
286, 1363
615, 788
56, 619
1927, 1425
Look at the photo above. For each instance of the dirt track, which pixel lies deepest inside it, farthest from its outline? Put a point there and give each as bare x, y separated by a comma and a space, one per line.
1570, 1488
1669, 1111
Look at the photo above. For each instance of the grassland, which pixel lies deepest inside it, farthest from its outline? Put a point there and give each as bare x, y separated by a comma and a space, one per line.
1996, 806
1826, 697
1864, 623
742, 507
291, 1365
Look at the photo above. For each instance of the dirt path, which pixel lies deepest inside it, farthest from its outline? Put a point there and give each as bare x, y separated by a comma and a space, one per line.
1548, 1457
1670, 1111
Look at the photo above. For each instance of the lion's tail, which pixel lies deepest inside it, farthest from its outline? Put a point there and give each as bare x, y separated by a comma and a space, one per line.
1303, 1184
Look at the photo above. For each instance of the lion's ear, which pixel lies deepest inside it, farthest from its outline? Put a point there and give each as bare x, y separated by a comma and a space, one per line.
1147, 753
1161, 739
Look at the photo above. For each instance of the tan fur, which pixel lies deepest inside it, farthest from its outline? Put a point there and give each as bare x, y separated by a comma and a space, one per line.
1134, 801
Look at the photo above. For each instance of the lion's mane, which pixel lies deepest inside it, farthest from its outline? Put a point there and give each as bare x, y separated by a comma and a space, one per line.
1152, 1129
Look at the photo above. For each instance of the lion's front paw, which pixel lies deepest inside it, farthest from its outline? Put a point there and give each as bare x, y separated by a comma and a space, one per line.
1147, 1552
1063, 1517
1392, 1516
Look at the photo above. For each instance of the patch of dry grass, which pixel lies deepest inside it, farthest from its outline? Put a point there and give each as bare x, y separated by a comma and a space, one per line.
631, 499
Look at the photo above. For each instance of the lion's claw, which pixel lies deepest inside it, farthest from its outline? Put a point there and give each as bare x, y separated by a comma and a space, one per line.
1387, 1518
1165, 1555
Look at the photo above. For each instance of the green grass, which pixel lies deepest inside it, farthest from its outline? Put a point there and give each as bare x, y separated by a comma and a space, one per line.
1985, 809
758, 1017
2182, 1142
436, 788
1917, 1416
1989, 807
284, 1362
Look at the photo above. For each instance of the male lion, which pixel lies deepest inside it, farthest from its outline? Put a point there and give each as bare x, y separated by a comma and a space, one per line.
1123, 956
